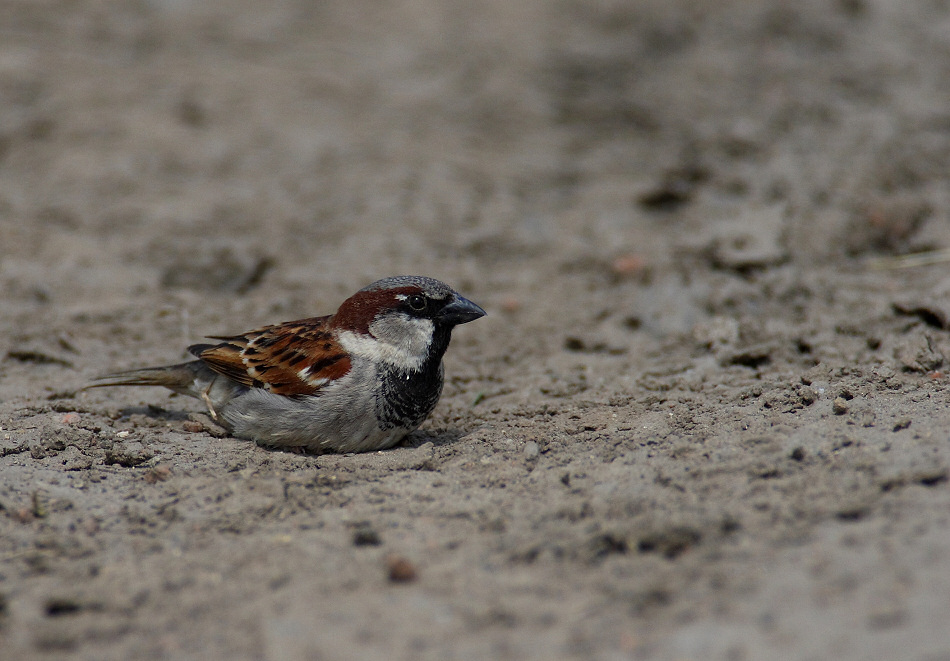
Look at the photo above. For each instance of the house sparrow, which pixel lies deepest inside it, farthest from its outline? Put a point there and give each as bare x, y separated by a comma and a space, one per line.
355, 381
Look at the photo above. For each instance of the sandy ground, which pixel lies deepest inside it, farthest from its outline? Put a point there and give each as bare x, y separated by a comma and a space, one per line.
706, 417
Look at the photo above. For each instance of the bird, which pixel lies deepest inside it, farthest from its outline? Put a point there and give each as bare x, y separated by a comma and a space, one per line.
358, 380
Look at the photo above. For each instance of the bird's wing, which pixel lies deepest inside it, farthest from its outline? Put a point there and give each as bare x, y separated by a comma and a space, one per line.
292, 358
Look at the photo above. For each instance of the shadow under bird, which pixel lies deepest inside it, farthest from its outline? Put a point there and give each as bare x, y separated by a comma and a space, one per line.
354, 381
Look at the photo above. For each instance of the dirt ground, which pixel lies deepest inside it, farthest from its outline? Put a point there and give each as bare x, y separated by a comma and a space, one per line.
706, 417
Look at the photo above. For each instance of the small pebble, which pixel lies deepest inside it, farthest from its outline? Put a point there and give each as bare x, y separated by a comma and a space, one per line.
839, 406
366, 536
70, 419
809, 395
158, 473
400, 569
531, 450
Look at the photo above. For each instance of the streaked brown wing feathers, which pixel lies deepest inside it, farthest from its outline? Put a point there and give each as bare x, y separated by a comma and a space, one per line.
293, 358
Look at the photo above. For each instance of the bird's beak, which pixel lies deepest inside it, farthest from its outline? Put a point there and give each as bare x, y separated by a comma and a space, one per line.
460, 311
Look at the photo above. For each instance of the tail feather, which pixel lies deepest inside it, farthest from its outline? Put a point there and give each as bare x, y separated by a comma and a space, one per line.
194, 379
180, 378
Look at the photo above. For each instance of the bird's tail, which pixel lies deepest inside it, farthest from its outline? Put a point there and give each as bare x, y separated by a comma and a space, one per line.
180, 378
194, 379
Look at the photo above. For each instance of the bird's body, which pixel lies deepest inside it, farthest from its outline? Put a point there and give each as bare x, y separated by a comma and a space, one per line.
355, 381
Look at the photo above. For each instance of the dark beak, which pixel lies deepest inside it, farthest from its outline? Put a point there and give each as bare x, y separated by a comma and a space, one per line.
460, 311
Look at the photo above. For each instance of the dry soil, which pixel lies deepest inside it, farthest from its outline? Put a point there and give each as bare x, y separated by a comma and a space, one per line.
707, 415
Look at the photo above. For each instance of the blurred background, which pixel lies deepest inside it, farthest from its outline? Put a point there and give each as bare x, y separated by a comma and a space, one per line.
166, 145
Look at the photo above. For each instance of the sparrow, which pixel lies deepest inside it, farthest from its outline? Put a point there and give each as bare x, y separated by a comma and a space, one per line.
355, 381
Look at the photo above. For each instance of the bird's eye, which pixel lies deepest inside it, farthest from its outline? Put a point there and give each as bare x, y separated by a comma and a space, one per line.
417, 302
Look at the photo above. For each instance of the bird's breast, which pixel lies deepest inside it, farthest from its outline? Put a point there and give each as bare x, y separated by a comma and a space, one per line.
406, 398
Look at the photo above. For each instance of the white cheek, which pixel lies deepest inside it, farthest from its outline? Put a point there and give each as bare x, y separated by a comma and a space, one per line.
400, 340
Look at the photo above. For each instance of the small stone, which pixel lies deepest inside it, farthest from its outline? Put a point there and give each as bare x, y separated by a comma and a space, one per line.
192, 426
839, 406
903, 423
70, 419
366, 536
574, 344
58, 606
158, 473
129, 455
75, 460
797, 454
531, 450
400, 569
808, 395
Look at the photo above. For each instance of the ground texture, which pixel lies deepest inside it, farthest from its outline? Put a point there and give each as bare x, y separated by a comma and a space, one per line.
706, 417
